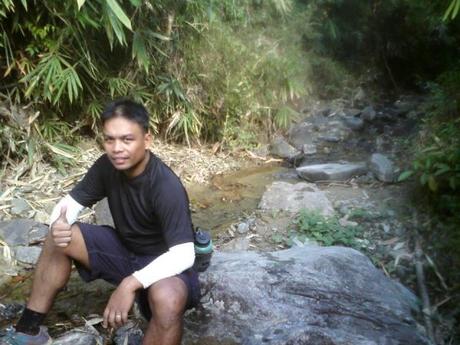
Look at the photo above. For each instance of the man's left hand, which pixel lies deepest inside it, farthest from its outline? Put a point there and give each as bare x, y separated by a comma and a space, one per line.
120, 302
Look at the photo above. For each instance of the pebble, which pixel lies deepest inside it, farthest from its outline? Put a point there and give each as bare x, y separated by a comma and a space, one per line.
10, 311
386, 227
243, 228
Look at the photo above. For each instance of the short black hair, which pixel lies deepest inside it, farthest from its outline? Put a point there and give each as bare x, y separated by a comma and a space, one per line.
128, 109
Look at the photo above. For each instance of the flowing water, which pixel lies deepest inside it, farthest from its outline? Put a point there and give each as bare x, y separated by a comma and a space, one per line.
231, 196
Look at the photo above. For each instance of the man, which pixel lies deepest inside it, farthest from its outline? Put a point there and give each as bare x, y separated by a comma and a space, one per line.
150, 252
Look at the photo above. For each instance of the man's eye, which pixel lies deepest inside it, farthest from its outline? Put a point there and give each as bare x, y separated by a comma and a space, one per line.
108, 140
127, 140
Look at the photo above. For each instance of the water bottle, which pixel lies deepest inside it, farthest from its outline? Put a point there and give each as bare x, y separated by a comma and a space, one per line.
203, 250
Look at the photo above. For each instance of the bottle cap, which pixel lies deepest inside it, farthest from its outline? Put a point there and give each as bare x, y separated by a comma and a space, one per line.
202, 237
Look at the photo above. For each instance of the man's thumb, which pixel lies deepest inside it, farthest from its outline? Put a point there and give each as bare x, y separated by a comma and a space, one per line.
62, 215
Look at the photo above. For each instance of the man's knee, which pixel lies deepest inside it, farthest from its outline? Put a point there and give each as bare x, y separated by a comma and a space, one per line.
167, 299
76, 248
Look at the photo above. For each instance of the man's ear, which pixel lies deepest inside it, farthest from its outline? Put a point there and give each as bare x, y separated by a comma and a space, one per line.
148, 138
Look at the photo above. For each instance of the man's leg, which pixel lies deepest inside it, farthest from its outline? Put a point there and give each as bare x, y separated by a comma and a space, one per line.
167, 300
53, 270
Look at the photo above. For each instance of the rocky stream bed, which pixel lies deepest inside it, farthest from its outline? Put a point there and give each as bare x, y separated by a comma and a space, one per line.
267, 284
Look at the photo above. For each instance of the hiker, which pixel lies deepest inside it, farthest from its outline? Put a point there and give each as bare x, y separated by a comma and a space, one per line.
148, 254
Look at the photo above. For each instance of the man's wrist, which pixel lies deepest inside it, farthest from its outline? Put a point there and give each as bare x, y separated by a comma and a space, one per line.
132, 283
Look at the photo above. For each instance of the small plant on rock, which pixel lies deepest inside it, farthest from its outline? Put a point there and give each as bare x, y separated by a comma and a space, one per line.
311, 225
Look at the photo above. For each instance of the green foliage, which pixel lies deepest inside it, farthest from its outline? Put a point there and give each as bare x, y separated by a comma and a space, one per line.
437, 162
245, 78
436, 167
23, 137
362, 214
199, 66
310, 225
401, 39
452, 10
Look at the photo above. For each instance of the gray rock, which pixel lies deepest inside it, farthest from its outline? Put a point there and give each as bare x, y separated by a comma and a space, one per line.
331, 171
382, 168
19, 205
329, 138
10, 311
302, 135
368, 114
355, 123
360, 95
27, 255
294, 197
281, 148
309, 149
403, 106
102, 213
351, 112
22, 232
129, 334
238, 244
80, 336
303, 295
243, 228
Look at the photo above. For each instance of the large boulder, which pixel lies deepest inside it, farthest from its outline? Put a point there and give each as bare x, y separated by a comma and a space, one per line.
331, 171
301, 135
294, 197
303, 295
382, 168
22, 232
19, 235
281, 148
102, 213
368, 113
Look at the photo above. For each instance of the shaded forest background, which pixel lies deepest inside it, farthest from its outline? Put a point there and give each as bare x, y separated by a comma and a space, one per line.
233, 72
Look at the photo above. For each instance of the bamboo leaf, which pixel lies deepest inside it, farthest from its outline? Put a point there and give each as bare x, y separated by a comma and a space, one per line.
117, 28
119, 13
457, 7
162, 37
80, 3
60, 150
449, 10
139, 51
135, 3
432, 184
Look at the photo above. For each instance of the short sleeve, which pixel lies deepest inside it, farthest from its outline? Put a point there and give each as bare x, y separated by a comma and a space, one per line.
173, 213
92, 188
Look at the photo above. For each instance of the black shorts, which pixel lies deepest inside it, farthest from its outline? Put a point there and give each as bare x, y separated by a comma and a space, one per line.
110, 260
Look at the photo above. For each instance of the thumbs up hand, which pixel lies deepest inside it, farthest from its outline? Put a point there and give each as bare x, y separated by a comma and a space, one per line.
60, 229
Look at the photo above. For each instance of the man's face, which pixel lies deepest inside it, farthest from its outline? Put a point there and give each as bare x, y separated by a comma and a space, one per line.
125, 143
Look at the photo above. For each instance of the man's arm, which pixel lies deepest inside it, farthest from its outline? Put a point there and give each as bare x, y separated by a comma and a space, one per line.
176, 260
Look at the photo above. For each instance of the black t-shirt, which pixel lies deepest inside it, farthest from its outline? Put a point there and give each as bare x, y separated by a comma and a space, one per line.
150, 211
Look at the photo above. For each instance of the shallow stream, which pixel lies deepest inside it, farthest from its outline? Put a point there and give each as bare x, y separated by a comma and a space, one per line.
232, 196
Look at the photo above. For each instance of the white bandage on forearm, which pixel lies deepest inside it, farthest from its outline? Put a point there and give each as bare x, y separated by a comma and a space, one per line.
73, 209
176, 260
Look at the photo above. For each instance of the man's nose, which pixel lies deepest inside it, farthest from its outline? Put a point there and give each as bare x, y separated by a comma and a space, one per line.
117, 146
